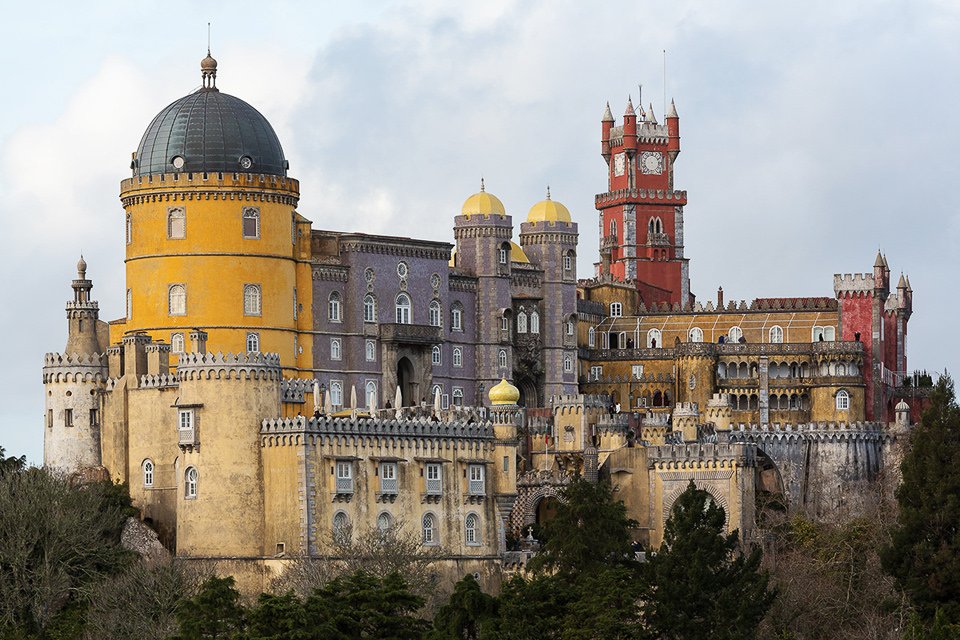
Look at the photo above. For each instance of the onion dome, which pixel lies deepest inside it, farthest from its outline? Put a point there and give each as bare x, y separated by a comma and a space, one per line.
902, 406
82, 266
483, 203
504, 393
548, 211
517, 254
209, 131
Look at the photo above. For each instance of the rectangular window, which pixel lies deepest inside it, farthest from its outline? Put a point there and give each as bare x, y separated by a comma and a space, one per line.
129, 304
68, 417
457, 357
251, 222
186, 419
388, 477
506, 464
336, 393
344, 476
295, 314
637, 371
434, 479
567, 263
475, 486
50, 418
456, 320
596, 373
503, 256
94, 417
457, 397
444, 401
176, 223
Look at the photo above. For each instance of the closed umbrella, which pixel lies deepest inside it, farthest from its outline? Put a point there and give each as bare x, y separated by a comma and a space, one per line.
316, 396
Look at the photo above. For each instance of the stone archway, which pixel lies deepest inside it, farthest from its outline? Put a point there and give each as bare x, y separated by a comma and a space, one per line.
718, 498
407, 381
528, 392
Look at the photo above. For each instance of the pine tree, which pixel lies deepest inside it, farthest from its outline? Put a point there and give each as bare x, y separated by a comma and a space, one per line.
924, 554
215, 612
461, 617
699, 584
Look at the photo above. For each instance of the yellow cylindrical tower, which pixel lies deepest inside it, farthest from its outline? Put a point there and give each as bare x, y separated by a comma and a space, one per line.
213, 238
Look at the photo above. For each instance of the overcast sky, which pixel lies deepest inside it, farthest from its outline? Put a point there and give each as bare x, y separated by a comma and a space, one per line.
812, 135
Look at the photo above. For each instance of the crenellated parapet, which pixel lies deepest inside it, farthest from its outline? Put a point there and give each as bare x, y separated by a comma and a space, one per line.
327, 430
175, 187
59, 367
159, 381
701, 455
227, 366
853, 285
296, 390
822, 431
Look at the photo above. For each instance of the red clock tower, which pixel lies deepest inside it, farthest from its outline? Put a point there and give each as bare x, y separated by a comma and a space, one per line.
641, 216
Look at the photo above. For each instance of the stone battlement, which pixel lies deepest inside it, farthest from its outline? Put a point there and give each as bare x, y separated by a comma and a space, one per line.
847, 284
579, 400
274, 431
683, 409
812, 430
72, 360
161, 381
712, 455
296, 390
216, 180
196, 366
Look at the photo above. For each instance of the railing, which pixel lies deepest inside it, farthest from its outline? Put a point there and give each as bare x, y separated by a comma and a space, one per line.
658, 239
434, 486
608, 242
388, 485
411, 333
187, 437
344, 485
476, 487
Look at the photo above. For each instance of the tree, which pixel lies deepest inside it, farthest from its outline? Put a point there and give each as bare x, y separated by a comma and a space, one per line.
215, 612
140, 602
699, 584
590, 530
462, 616
11, 464
58, 539
361, 605
924, 553
277, 618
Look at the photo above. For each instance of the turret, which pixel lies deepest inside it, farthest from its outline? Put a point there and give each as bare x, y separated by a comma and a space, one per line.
686, 415
505, 415
630, 128
673, 132
881, 276
82, 316
606, 123
903, 415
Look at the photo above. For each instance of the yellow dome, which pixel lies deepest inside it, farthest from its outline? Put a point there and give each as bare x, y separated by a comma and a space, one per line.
548, 211
504, 393
517, 254
483, 203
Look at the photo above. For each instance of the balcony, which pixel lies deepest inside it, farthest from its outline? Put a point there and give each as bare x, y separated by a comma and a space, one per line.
344, 486
658, 240
608, 242
411, 334
187, 438
434, 487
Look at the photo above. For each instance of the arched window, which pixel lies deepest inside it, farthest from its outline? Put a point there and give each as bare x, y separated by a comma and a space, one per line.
471, 530
654, 339
148, 473
384, 522
177, 300
457, 357
176, 223
190, 480
568, 365
341, 528
616, 309
571, 327
734, 334
504, 254
456, 317
334, 307
336, 394
457, 397
429, 525
251, 222
613, 228
371, 351
371, 393
403, 309
177, 343
843, 400
253, 342
502, 359
521, 322
841, 369
591, 337
722, 370
437, 355
336, 352
369, 308
534, 322
568, 259
776, 334
251, 299
434, 313
129, 228
695, 334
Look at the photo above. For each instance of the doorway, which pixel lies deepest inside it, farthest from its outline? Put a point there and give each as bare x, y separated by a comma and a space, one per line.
406, 382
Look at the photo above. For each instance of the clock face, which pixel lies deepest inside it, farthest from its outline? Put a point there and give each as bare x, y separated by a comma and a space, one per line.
651, 162
619, 164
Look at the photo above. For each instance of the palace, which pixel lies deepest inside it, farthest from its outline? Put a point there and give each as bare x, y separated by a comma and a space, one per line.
274, 389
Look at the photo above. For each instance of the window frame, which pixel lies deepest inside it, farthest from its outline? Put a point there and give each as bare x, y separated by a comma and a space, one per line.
148, 473
370, 350
436, 356
253, 338
568, 364
616, 309
471, 534
252, 299
654, 334
403, 310
369, 308
695, 334
336, 349
457, 357
191, 483
775, 334
502, 359
181, 290
842, 400
178, 342
176, 213
735, 330
535, 322
335, 307
254, 214
456, 317
336, 393
435, 313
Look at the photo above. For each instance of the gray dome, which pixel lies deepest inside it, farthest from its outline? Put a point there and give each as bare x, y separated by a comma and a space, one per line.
213, 132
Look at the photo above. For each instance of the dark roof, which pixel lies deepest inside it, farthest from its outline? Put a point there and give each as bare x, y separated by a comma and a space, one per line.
211, 131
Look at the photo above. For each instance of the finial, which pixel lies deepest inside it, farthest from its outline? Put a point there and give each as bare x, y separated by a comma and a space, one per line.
82, 267
879, 261
548, 192
482, 186
673, 110
208, 38
607, 114
650, 117
629, 111
208, 67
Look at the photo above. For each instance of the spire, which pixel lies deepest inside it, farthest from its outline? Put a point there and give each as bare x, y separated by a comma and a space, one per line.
909, 288
82, 268
482, 186
903, 282
879, 261
673, 110
607, 114
629, 111
650, 117
548, 192
208, 67
886, 265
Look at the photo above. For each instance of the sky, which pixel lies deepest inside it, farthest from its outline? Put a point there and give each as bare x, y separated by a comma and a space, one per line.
813, 134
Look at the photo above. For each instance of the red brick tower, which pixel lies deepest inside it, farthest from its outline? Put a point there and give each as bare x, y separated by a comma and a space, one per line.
641, 216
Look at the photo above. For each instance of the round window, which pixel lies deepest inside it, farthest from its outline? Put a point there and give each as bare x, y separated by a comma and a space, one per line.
435, 281
402, 269
368, 275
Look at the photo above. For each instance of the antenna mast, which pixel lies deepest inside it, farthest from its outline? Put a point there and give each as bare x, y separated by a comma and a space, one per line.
664, 82
208, 38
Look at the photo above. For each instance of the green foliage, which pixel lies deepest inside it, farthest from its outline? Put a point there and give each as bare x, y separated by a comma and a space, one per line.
11, 464
699, 585
462, 616
58, 539
215, 611
530, 609
924, 554
590, 530
277, 618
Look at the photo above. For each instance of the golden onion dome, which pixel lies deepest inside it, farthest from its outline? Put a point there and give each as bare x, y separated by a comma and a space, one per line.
517, 254
549, 211
504, 393
483, 203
